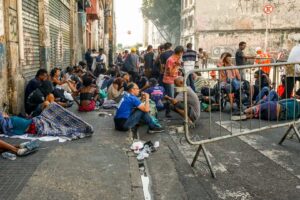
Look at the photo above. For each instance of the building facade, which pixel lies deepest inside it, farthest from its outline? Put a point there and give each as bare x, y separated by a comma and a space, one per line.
219, 26
151, 35
38, 34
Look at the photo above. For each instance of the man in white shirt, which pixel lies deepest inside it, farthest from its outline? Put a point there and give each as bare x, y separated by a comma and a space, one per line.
292, 71
102, 58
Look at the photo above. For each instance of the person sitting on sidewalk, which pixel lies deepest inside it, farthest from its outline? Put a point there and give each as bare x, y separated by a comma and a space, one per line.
33, 84
131, 111
260, 87
62, 82
40, 98
192, 102
156, 93
116, 90
88, 96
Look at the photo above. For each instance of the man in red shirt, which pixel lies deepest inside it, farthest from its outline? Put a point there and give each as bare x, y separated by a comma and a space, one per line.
171, 72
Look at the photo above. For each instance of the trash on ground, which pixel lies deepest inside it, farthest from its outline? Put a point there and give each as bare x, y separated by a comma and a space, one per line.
9, 156
104, 114
144, 149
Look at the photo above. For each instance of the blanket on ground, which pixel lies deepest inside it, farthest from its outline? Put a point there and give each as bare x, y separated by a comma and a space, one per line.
58, 121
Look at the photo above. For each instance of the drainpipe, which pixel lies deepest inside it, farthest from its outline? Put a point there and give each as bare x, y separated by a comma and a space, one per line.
20, 28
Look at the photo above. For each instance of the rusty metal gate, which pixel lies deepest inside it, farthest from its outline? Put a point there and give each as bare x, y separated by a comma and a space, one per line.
60, 49
30, 15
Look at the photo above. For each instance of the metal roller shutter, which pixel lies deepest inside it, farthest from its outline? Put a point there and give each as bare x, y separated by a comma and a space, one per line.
30, 15
60, 53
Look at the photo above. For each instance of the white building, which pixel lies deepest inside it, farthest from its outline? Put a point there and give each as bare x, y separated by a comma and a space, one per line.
151, 35
188, 16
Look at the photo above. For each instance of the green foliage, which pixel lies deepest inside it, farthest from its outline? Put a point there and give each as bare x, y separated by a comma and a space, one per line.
165, 15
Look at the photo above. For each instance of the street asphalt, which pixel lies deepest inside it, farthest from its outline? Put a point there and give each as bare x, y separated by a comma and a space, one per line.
101, 167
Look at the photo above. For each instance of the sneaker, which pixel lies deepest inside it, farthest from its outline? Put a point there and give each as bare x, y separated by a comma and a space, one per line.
238, 118
34, 144
156, 130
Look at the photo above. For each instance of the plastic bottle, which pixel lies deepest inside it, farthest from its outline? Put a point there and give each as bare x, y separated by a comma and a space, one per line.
9, 156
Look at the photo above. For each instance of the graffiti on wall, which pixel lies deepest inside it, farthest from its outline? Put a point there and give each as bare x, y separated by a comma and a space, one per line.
13, 25
256, 6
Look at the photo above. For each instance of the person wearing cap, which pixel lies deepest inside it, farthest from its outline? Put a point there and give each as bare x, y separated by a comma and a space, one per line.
262, 58
132, 64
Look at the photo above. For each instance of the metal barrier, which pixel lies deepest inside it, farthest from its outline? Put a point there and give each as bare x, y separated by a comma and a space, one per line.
291, 124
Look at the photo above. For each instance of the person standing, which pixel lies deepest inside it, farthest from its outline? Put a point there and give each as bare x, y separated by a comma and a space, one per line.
189, 59
89, 59
171, 72
241, 59
149, 62
132, 64
292, 71
203, 56
164, 56
102, 58
262, 58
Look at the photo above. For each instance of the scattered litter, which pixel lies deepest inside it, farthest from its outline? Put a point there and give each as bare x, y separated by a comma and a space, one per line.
60, 139
9, 156
104, 114
144, 149
142, 155
137, 146
180, 129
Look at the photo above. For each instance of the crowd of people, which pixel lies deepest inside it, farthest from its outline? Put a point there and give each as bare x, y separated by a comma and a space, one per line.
139, 86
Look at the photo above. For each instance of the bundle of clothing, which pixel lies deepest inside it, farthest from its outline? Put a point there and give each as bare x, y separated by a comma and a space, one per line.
53, 121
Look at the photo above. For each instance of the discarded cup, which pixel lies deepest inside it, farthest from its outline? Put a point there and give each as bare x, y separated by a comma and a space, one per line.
9, 156
156, 144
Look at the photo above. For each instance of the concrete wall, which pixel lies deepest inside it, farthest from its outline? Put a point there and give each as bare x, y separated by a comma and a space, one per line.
3, 66
221, 25
217, 43
246, 14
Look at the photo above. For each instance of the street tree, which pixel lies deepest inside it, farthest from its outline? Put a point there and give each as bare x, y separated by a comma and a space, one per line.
165, 15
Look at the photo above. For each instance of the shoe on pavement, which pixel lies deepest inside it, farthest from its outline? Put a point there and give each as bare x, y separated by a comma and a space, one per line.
34, 144
238, 118
25, 152
156, 130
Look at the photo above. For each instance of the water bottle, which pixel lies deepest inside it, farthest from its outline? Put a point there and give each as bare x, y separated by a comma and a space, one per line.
9, 156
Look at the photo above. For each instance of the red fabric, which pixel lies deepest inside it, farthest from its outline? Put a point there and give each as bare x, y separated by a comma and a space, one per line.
280, 90
89, 107
31, 129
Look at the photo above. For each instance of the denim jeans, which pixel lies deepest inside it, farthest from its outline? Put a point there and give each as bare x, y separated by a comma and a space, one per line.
169, 89
263, 92
136, 117
272, 96
190, 82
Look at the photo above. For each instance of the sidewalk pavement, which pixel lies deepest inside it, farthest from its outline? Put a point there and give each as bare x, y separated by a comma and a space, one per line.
93, 168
